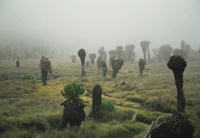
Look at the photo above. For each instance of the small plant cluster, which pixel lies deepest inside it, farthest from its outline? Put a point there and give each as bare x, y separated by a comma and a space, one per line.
72, 91
107, 105
31, 76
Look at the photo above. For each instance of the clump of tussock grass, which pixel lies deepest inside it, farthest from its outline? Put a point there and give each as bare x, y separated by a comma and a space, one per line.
83, 79
148, 117
120, 94
132, 87
108, 113
135, 98
121, 88
118, 115
107, 79
169, 98
17, 133
198, 111
16, 88
53, 120
11, 112
196, 124
191, 101
18, 107
124, 94
164, 105
35, 123
32, 115
31, 123
92, 129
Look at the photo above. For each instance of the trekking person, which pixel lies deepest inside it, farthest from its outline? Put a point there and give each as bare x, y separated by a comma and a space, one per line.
45, 66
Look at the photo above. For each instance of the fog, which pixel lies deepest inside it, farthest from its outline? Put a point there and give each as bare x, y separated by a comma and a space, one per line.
91, 24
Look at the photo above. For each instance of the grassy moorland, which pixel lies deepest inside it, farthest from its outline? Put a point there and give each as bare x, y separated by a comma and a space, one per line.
30, 110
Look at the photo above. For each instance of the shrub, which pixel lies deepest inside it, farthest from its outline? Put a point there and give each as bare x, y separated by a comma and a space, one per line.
107, 105
31, 76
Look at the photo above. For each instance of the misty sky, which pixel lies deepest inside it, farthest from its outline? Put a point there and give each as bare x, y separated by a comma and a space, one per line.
90, 24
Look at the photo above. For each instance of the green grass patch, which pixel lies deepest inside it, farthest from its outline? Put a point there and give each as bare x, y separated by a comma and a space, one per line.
163, 105
148, 117
135, 98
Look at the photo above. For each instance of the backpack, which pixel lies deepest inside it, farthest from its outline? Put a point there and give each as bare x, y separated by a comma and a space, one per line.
45, 61
45, 64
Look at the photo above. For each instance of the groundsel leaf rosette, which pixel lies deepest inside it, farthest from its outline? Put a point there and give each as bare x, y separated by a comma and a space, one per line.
73, 91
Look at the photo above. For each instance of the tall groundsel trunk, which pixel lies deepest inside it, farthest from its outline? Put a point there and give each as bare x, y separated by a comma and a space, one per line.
83, 70
149, 57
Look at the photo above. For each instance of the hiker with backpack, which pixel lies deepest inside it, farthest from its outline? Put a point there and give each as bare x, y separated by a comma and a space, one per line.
45, 66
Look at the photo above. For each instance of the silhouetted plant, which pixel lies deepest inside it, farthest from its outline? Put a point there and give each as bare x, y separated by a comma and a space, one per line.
119, 52
104, 56
160, 56
101, 51
92, 57
73, 112
166, 51
73, 57
155, 52
177, 64
141, 66
17, 63
128, 53
187, 49
87, 64
144, 45
179, 52
82, 55
104, 67
112, 54
149, 56
96, 101
182, 44
99, 62
178, 126
116, 66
